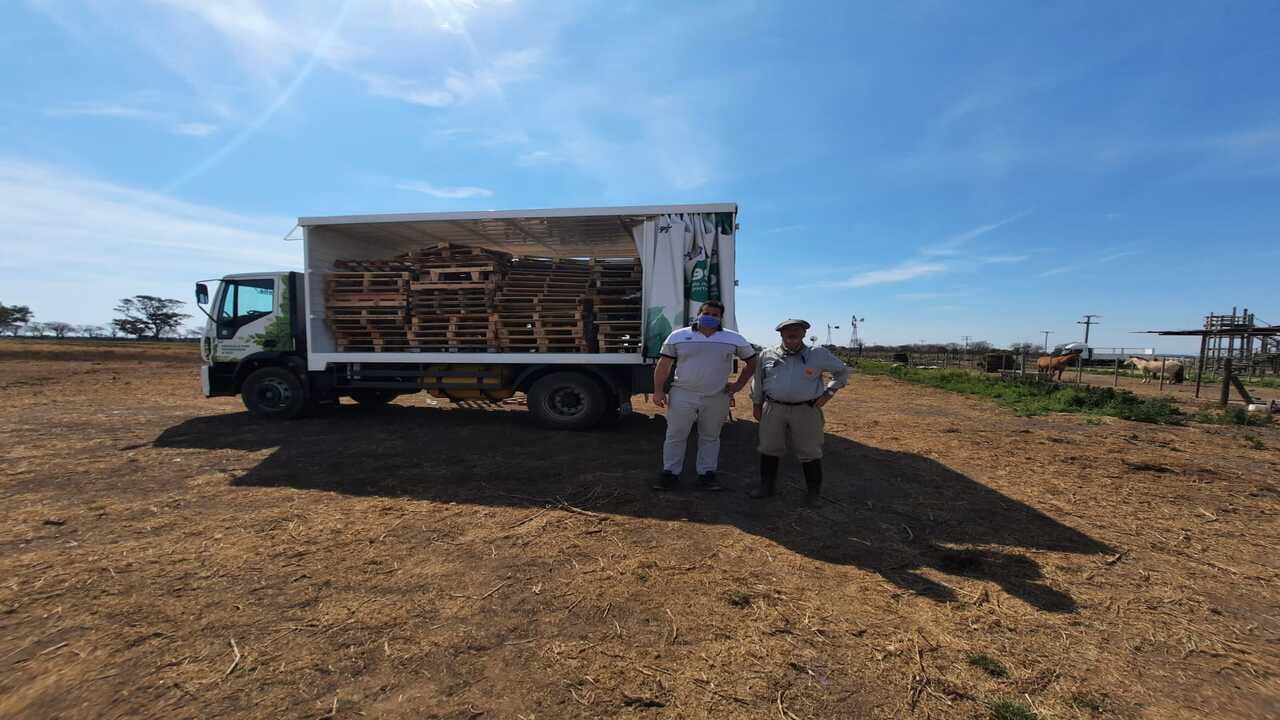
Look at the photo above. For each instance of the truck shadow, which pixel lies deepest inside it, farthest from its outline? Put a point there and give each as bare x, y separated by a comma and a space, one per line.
889, 512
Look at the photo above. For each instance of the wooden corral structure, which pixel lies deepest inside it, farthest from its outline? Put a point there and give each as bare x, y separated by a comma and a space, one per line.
1254, 348
1233, 345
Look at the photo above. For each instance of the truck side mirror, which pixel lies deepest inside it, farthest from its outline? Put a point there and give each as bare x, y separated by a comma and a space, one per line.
202, 294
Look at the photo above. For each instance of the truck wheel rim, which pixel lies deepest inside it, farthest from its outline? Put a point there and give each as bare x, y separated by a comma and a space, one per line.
566, 402
273, 394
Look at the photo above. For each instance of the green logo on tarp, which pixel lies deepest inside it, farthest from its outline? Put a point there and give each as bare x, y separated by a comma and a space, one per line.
656, 329
698, 283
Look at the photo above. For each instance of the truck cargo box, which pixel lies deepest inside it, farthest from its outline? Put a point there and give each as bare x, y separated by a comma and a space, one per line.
686, 253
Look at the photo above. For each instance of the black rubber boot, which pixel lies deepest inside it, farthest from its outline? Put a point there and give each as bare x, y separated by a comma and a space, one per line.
813, 480
666, 481
709, 483
768, 476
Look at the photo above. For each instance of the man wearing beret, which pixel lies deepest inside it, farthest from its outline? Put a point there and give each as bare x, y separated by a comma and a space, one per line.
787, 395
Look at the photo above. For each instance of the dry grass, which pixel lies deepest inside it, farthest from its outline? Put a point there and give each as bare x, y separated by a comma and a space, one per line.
167, 556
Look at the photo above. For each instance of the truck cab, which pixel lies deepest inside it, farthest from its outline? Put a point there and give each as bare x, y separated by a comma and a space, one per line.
251, 323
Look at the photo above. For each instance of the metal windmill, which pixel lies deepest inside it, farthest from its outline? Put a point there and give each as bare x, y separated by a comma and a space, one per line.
831, 327
853, 336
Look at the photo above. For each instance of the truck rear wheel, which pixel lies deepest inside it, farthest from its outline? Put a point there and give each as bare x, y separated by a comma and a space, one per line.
567, 401
274, 392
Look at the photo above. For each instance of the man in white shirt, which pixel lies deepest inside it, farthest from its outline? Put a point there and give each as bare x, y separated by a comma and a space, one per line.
702, 356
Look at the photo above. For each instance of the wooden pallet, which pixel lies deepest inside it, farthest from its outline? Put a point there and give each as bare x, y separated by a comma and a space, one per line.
617, 313
370, 341
355, 282
399, 264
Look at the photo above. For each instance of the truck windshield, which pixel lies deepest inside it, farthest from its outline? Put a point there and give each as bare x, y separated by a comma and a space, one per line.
247, 299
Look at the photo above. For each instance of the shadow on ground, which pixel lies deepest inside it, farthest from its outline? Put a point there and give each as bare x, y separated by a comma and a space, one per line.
888, 512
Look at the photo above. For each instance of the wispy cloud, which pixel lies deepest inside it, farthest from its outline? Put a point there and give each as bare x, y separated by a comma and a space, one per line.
127, 111
1063, 269
1117, 256
444, 193
103, 109
945, 256
537, 157
785, 229
955, 244
155, 244
195, 129
411, 91
898, 273
913, 296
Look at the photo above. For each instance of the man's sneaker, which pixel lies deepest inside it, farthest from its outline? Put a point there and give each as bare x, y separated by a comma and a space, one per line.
666, 481
707, 481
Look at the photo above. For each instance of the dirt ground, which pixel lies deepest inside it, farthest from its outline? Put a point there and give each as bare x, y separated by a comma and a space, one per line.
168, 556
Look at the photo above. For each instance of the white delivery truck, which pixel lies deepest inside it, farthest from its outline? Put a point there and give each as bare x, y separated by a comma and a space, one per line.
268, 338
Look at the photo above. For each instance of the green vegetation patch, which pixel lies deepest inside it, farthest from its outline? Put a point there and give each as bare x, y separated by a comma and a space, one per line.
1032, 396
989, 665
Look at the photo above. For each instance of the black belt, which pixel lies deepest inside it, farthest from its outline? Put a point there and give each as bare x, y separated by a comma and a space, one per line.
793, 404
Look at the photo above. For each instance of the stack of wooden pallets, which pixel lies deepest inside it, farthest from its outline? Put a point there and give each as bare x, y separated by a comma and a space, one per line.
615, 301
451, 301
448, 298
366, 310
538, 307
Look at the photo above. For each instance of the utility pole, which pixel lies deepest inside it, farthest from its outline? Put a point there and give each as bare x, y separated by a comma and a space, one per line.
1086, 322
1047, 333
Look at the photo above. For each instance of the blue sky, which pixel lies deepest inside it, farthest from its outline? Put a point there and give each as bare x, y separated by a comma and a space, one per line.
942, 169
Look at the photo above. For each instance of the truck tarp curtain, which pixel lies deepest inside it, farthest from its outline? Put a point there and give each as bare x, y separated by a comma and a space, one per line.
682, 255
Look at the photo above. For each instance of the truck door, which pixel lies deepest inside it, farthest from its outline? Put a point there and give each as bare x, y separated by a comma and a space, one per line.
252, 316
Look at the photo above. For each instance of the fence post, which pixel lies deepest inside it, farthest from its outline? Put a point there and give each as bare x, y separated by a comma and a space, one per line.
1115, 380
1226, 382
1162, 362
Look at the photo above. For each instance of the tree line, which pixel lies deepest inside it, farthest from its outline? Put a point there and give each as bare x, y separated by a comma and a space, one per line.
140, 317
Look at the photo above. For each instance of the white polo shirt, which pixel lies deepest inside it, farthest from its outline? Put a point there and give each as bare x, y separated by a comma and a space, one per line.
704, 362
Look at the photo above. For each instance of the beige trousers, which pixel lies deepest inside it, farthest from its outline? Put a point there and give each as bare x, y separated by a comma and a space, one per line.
799, 426
684, 410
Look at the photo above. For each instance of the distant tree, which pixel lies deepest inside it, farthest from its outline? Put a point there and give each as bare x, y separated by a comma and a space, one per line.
36, 329
13, 317
92, 331
156, 314
194, 333
59, 328
128, 326
980, 346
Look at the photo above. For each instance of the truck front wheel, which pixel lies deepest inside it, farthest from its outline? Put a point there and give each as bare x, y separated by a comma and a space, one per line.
567, 401
274, 392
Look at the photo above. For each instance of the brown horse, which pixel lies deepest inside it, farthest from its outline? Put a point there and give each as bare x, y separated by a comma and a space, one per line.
1050, 364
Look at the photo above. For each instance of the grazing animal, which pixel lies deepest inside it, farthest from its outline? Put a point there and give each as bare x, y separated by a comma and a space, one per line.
1050, 364
1174, 371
